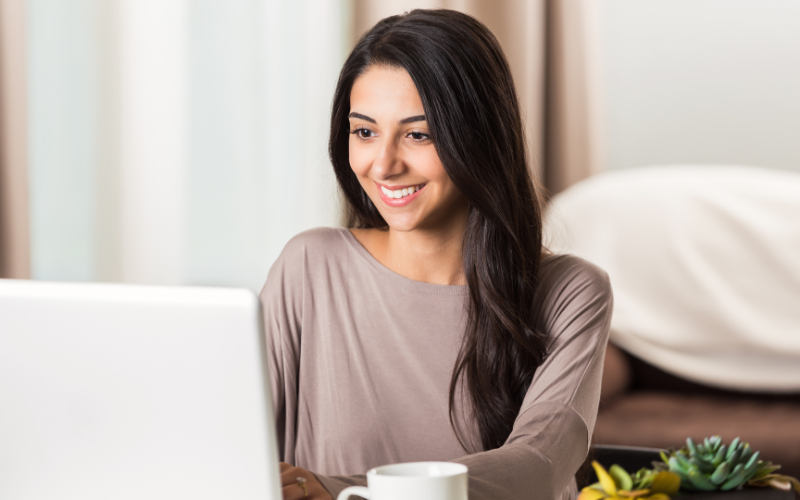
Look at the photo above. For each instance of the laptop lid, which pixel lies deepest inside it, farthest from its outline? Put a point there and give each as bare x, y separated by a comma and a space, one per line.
134, 392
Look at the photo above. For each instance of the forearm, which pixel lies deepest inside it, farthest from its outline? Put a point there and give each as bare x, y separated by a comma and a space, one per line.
538, 462
531, 465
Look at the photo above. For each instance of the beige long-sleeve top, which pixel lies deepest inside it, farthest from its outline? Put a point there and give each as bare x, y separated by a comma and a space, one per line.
361, 360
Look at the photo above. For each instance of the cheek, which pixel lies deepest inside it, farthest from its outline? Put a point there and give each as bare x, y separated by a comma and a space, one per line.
360, 159
431, 167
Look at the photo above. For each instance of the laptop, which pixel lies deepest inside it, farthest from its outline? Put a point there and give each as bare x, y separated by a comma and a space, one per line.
112, 391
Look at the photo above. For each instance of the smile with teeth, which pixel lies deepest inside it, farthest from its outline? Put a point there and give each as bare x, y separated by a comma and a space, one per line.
401, 193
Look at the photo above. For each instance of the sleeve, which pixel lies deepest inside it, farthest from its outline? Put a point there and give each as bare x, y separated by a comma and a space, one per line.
335, 484
552, 432
282, 306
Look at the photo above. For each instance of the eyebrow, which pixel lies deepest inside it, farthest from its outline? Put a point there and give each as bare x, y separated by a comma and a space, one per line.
410, 119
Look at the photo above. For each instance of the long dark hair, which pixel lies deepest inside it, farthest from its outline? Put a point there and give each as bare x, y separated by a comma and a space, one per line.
473, 116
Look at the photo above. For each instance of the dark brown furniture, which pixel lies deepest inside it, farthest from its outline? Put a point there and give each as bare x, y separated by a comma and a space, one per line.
642, 405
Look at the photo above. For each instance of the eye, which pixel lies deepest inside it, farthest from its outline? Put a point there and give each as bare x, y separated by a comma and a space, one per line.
419, 137
363, 133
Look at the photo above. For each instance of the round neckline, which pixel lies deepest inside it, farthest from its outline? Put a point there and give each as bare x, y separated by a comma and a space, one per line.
398, 279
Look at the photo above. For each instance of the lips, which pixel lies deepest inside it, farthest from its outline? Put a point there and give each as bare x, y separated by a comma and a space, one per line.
399, 196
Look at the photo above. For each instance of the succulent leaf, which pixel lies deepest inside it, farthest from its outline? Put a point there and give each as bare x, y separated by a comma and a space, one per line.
735, 479
793, 480
642, 479
666, 482
632, 494
621, 477
692, 447
591, 494
678, 468
753, 461
704, 466
746, 453
776, 481
721, 474
685, 464
700, 481
780, 484
733, 458
720, 456
685, 483
764, 468
609, 486
733, 448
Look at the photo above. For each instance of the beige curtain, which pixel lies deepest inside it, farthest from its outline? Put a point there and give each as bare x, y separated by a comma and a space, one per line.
572, 101
550, 47
14, 239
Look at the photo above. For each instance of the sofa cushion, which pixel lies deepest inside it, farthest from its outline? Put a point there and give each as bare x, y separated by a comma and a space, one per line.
703, 261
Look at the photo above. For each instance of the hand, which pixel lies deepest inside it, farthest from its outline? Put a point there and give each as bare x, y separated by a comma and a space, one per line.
293, 491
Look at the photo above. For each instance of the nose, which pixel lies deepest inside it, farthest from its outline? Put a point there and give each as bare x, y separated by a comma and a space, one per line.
388, 162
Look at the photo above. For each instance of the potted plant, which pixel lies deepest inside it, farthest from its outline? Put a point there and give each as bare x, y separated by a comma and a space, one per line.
709, 466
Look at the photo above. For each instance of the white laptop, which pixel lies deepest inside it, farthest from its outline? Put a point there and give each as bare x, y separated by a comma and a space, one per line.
133, 392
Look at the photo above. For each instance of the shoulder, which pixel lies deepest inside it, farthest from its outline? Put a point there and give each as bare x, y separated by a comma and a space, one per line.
317, 239
572, 291
313, 247
561, 272
305, 253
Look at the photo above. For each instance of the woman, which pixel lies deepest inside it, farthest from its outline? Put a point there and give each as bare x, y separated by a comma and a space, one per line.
436, 327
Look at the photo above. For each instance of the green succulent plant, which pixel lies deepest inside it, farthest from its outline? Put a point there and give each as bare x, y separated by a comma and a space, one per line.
712, 465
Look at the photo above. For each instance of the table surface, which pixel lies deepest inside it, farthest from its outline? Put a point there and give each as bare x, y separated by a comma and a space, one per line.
745, 494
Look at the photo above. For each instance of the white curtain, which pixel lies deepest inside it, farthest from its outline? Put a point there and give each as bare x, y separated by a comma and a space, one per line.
179, 141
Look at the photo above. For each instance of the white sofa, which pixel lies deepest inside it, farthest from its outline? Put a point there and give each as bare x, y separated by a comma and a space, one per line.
704, 262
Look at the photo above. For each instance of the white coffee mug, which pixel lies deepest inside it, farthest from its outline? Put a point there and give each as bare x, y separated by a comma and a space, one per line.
417, 481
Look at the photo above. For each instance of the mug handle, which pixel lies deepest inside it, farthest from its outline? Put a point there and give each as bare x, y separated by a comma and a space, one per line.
353, 490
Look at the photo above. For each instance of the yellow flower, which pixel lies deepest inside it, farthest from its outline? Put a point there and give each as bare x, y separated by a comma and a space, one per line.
609, 487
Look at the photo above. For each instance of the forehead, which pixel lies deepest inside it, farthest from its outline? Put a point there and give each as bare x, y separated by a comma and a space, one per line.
384, 91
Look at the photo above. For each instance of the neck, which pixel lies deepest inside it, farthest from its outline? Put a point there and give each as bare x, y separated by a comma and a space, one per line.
430, 256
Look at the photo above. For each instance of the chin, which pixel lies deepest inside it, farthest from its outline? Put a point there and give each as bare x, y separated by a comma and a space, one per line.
401, 224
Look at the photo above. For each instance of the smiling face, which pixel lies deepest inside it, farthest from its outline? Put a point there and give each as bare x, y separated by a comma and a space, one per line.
394, 157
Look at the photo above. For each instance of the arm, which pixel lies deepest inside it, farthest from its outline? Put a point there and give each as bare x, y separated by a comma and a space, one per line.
282, 301
553, 430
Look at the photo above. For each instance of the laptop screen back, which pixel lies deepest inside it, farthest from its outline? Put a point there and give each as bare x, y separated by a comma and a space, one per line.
133, 392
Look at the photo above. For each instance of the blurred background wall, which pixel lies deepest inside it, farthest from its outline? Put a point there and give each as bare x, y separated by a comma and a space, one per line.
700, 81
184, 141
